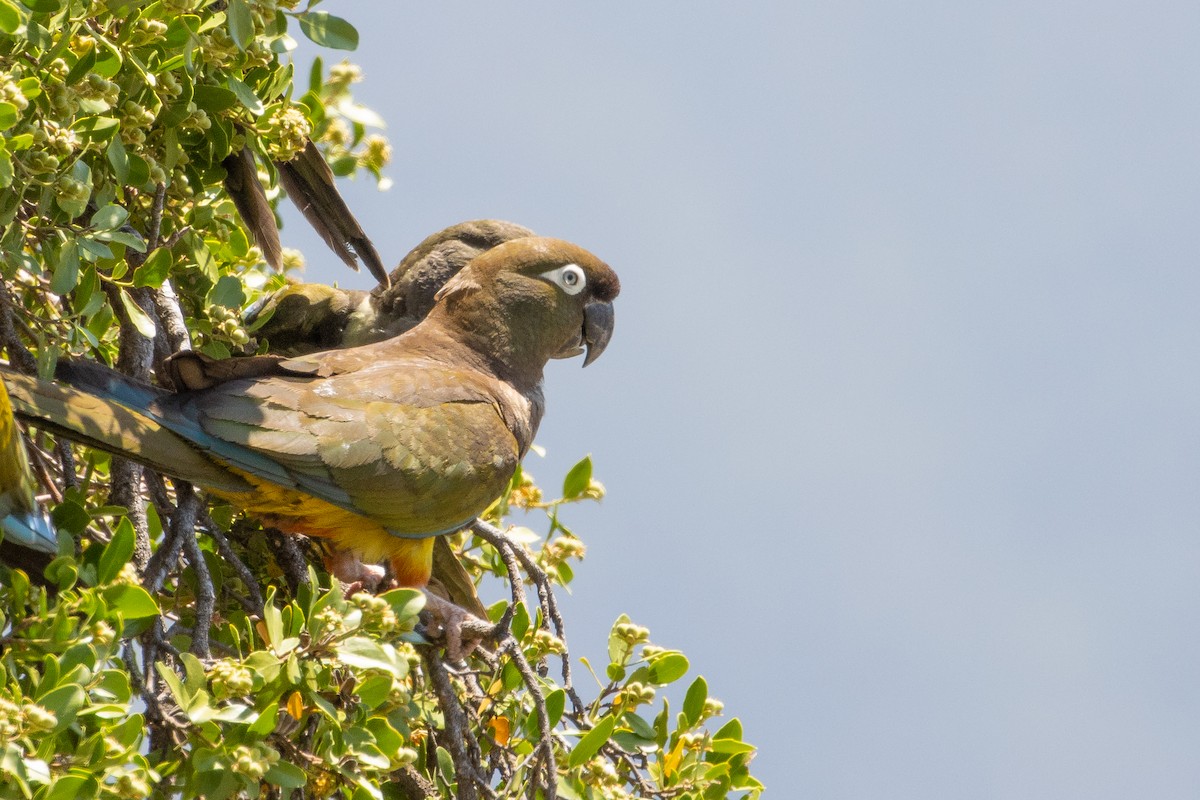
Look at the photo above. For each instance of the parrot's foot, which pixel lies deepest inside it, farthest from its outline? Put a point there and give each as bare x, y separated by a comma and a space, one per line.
351, 571
453, 627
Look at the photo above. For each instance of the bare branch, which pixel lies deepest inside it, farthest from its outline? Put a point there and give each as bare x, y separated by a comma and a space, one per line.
498, 539
254, 604
464, 750
18, 355
549, 766
414, 787
184, 526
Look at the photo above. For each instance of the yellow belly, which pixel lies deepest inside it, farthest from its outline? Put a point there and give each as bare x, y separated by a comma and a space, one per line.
296, 512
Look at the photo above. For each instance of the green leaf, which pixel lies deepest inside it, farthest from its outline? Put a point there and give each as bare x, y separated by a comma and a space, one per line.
82, 67
266, 721
240, 22
214, 98
133, 241
639, 726
693, 701
364, 653
228, 292
118, 159
445, 764
66, 272
8, 116
556, 701
731, 746
264, 664
116, 553
30, 86
109, 217
272, 619
618, 648
133, 602
374, 690
64, 702
286, 775
182, 698
139, 318
405, 603
329, 31
592, 741
96, 129
730, 730
194, 679
154, 269
245, 95
10, 17
578, 479
93, 250
668, 667
70, 516
12, 766
72, 786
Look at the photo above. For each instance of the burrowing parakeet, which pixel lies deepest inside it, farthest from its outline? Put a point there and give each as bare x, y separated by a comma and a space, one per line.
378, 448
306, 317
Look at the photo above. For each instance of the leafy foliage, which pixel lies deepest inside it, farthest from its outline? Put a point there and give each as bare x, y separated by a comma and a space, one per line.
174, 648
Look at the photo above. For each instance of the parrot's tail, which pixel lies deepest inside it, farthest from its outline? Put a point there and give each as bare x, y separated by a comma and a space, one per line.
32, 529
22, 521
103, 409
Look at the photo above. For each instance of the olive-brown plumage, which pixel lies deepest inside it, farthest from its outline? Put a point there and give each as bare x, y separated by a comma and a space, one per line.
377, 447
306, 317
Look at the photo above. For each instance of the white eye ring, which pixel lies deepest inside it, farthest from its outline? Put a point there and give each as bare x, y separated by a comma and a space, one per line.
570, 278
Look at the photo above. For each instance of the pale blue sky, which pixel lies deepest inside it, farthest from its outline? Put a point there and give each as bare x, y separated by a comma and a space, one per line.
900, 422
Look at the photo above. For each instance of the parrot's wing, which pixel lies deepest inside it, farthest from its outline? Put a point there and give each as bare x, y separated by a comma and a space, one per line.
419, 450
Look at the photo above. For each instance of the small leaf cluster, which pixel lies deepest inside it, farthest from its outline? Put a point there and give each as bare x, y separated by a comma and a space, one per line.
67, 701
115, 120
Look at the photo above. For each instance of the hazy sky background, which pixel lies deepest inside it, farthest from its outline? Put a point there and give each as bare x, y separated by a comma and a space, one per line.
900, 422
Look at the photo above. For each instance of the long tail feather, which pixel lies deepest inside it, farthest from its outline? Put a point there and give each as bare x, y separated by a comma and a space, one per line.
107, 423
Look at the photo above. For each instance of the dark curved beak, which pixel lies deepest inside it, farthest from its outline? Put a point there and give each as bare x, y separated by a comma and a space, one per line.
597, 329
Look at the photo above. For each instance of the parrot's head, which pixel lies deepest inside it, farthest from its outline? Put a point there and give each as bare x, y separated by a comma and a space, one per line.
532, 299
434, 261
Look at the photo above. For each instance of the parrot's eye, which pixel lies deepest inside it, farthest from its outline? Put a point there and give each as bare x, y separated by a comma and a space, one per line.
570, 278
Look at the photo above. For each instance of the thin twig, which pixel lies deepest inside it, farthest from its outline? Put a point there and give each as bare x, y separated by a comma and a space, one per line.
18, 355
66, 459
159, 566
154, 234
254, 604
184, 525
40, 464
498, 539
549, 765
290, 558
464, 750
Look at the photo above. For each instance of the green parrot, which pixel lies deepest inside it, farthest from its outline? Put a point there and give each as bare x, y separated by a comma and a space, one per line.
378, 448
306, 317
